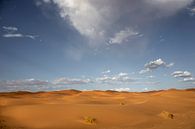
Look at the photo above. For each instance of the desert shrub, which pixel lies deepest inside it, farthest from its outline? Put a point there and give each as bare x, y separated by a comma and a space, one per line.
166, 115
122, 103
170, 115
89, 120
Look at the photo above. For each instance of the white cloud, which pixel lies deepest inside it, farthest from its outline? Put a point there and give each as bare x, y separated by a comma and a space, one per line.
103, 20
182, 74
36, 85
151, 76
185, 75
64, 82
145, 89
11, 32
123, 36
190, 79
192, 11
147, 83
17, 35
154, 65
47, 1
31, 36
106, 72
104, 79
169, 7
144, 71
10, 28
121, 89
25, 82
123, 74
41, 2
25, 85
83, 15
170, 65
121, 77
13, 35
71, 81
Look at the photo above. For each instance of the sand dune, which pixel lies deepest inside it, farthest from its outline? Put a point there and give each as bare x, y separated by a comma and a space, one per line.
72, 109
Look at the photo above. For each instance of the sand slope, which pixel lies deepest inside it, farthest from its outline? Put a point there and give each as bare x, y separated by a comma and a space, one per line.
71, 109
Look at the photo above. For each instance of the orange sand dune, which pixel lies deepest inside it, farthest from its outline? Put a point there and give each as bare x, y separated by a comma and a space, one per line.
71, 109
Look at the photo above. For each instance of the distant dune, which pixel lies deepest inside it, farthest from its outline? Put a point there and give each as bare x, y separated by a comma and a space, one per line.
72, 109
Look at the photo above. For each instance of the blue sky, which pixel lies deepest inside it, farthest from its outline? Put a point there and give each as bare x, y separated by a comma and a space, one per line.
98, 44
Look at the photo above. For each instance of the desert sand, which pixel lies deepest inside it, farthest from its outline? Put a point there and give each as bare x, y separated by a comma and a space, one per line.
72, 109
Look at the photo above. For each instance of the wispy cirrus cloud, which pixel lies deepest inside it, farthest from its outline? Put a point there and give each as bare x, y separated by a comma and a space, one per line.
12, 32
12, 35
168, 7
121, 78
10, 28
37, 84
24, 84
71, 81
124, 36
192, 11
18, 35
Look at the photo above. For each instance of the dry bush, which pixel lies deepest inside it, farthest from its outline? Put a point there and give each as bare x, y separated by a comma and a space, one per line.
166, 115
122, 103
90, 120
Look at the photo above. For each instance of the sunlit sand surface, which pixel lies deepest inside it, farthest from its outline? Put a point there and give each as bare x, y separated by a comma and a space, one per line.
71, 109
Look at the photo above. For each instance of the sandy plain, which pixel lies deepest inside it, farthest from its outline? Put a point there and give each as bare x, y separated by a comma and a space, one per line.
72, 109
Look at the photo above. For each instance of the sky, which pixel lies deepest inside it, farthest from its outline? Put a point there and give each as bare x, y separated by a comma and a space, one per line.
122, 45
